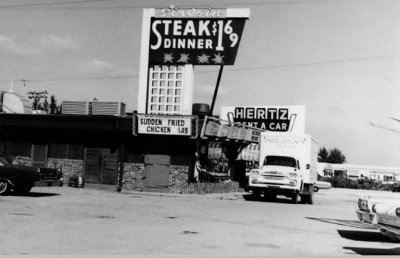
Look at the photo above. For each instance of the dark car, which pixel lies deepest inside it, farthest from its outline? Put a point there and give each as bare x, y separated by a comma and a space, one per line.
47, 177
396, 188
21, 178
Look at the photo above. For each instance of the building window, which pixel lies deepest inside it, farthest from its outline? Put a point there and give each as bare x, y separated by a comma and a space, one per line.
166, 82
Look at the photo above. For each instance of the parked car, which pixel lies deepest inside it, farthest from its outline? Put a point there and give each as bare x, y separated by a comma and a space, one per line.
47, 176
322, 185
388, 220
367, 207
21, 178
396, 188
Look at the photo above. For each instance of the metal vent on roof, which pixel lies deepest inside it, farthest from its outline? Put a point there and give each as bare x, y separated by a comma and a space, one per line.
76, 107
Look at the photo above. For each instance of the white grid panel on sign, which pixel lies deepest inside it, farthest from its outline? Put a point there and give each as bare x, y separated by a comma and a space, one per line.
165, 90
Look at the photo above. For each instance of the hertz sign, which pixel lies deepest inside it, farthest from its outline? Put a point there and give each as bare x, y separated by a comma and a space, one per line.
195, 36
270, 118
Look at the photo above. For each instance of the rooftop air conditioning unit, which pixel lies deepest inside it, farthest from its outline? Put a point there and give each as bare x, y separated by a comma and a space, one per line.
108, 108
76, 107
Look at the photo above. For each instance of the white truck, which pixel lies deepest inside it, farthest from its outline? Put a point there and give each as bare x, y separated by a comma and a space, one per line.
288, 166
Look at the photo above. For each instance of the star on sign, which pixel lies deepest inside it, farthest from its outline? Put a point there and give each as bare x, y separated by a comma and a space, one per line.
168, 57
184, 58
203, 59
218, 58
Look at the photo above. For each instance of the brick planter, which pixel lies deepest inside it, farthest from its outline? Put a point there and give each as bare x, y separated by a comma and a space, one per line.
178, 181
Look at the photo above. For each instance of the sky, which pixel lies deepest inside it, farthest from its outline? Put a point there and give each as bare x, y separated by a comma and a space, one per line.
339, 58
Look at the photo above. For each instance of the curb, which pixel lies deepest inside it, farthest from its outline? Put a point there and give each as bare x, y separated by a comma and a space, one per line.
221, 196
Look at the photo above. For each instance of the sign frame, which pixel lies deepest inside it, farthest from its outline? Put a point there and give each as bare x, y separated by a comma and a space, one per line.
165, 128
229, 131
190, 13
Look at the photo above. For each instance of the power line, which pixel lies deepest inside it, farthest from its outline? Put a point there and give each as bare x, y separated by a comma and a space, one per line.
350, 60
58, 4
227, 70
384, 127
73, 79
52, 3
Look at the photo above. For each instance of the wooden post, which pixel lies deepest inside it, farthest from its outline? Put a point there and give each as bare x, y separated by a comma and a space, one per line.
121, 156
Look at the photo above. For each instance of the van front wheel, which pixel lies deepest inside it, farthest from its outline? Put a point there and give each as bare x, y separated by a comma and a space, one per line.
295, 198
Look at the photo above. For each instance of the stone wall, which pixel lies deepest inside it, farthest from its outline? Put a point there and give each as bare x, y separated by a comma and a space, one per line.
178, 181
133, 177
210, 187
25, 161
69, 167
134, 173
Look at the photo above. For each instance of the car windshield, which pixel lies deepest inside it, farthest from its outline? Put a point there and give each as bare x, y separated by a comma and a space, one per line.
4, 161
280, 161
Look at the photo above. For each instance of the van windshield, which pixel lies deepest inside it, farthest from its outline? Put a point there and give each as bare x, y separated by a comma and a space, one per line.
280, 161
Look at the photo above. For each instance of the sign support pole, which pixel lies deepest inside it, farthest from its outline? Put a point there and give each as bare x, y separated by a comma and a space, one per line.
216, 89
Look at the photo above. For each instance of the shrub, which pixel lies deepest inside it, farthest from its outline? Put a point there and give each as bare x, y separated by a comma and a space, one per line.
343, 182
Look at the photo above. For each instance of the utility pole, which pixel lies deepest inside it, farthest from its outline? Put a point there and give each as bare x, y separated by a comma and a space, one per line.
37, 96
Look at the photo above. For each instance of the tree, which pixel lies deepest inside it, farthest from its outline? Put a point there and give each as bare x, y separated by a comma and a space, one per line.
323, 155
40, 102
35, 103
45, 105
336, 156
53, 105
37, 96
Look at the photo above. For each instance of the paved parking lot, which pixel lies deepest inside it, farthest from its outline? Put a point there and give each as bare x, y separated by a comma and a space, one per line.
72, 221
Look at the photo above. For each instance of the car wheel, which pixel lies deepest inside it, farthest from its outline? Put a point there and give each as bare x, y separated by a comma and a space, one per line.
4, 187
316, 189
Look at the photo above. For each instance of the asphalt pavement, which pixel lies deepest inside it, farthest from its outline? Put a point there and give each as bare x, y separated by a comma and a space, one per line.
73, 221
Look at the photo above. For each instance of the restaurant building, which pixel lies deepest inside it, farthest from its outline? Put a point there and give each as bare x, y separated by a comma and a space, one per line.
156, 148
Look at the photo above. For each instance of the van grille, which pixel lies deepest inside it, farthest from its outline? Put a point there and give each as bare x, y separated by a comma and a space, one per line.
269, 177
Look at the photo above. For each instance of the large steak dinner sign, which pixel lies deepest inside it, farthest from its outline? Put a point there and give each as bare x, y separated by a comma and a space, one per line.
195, 36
